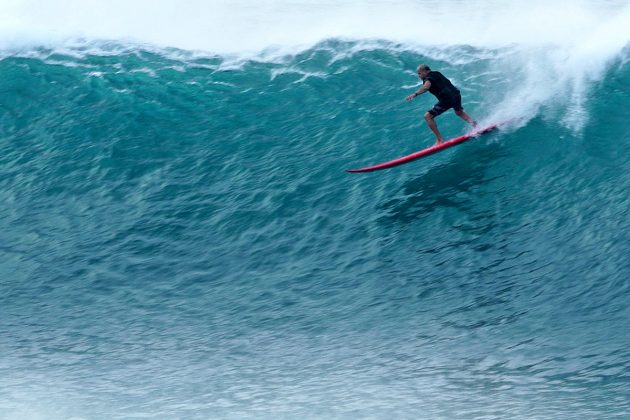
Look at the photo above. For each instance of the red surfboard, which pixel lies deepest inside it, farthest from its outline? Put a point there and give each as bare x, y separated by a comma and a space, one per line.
428, 151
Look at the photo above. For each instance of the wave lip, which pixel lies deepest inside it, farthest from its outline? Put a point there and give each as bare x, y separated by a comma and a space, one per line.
238, 26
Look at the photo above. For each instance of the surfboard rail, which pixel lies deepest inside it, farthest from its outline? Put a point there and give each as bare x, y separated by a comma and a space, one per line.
428, 151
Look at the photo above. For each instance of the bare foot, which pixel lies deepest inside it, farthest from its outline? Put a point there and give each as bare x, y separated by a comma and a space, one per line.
438, 142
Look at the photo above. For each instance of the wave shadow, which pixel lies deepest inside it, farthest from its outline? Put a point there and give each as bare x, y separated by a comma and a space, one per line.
447, 185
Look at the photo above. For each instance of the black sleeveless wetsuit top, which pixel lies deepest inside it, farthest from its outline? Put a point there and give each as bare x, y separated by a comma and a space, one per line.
441, 87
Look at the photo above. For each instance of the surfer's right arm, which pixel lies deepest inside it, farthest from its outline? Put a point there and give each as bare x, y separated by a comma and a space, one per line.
426, 86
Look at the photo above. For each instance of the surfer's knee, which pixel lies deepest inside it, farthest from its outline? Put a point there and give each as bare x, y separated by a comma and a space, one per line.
428, 116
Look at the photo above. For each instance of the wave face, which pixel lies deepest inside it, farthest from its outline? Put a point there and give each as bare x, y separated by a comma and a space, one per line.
180, 240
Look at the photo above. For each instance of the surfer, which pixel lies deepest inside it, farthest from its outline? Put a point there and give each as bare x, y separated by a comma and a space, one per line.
447, 94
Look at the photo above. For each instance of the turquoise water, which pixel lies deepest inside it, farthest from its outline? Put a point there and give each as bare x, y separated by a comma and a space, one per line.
179, 238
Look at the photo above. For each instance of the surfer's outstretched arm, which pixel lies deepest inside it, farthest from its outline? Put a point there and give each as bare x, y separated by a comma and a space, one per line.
425, 87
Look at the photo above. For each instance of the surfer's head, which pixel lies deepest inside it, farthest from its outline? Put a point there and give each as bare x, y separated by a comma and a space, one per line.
423, 71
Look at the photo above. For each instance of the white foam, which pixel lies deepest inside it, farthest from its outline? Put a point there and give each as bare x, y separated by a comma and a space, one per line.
557, 76
228, 26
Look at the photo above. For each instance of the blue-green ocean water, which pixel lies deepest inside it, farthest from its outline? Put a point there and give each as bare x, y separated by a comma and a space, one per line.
179, 239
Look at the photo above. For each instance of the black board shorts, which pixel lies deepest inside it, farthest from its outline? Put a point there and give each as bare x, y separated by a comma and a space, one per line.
444, 104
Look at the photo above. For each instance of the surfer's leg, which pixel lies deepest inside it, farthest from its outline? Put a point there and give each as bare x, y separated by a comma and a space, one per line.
462, 114
459, 110
430, 119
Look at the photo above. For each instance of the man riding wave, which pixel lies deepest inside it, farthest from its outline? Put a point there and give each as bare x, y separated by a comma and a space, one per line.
448, 97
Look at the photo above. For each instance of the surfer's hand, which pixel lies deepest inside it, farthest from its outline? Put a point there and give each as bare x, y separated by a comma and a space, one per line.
410, 97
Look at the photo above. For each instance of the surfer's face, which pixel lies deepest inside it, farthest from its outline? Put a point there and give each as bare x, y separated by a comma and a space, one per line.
422, 73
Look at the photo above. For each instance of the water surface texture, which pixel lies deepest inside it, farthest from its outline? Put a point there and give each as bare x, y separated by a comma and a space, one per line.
179, 240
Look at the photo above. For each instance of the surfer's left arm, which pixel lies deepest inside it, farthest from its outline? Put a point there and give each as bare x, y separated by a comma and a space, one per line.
426, 86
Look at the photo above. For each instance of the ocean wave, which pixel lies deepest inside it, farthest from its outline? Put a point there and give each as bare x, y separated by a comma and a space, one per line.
179, 224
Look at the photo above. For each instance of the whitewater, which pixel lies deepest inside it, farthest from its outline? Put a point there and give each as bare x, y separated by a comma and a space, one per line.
179, 237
